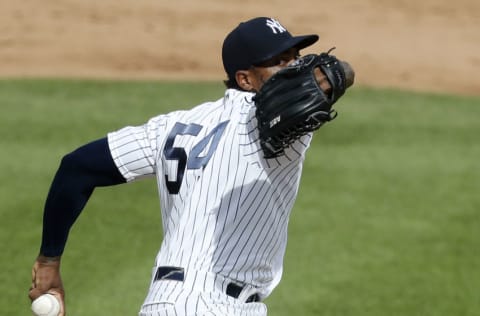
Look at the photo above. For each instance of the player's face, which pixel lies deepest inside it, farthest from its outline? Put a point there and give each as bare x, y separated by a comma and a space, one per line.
262, 72
254, 78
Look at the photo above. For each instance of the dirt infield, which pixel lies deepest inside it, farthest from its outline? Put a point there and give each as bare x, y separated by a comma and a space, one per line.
426, 45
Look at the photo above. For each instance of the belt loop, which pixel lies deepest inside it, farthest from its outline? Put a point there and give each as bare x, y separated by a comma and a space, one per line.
234, 290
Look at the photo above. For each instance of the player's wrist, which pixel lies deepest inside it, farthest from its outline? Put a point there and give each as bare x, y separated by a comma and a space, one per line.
322, 81
48, 259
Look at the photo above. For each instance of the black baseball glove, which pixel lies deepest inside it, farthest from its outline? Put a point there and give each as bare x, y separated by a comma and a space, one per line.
291, 103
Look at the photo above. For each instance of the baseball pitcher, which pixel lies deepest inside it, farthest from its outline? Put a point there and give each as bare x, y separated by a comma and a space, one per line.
228, 173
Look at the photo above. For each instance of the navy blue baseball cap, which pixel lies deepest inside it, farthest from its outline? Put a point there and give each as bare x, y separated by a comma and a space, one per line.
257, 40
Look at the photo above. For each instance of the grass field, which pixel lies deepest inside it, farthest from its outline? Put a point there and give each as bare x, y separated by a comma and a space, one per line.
387, 219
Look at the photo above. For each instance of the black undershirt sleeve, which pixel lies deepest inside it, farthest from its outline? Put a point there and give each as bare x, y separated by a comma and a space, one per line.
79, 173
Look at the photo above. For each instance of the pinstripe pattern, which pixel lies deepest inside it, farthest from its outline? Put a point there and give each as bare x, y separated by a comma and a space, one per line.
230, 215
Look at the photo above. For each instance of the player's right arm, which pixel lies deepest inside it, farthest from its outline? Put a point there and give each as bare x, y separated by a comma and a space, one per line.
79, 173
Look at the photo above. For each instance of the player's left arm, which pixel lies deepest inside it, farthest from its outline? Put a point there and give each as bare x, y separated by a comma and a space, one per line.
79, 173
325, 84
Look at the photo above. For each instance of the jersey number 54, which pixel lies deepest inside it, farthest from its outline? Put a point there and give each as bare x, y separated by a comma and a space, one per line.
192, 160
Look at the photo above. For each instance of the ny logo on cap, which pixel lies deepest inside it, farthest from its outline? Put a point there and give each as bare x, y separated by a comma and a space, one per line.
275, 26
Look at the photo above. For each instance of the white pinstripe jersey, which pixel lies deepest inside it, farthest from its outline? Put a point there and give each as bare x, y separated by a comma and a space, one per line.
225, 208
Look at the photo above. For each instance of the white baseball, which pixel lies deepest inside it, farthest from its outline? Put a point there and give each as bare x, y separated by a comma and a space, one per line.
46, 305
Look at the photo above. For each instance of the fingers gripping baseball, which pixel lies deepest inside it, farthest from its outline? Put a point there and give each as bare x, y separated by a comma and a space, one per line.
46, 279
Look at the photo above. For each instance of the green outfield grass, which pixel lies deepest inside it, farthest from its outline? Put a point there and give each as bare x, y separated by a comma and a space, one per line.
386, 222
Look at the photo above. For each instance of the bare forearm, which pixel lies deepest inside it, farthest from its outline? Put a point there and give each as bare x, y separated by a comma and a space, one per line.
349, 73
325, 84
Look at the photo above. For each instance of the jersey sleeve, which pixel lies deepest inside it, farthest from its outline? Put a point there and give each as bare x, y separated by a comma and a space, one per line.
134, 150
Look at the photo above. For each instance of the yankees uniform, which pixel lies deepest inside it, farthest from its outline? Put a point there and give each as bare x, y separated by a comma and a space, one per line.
225, 208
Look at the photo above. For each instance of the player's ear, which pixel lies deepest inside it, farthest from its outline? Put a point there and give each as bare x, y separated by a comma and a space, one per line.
243, 80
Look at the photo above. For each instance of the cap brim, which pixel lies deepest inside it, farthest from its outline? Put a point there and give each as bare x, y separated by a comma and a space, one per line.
299, 42
305, 40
